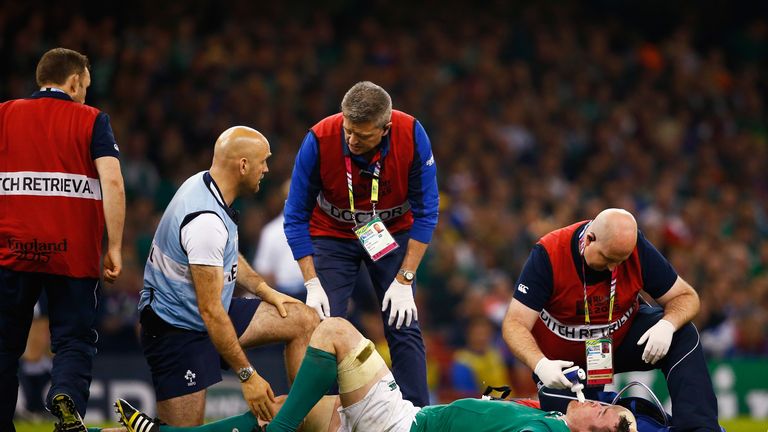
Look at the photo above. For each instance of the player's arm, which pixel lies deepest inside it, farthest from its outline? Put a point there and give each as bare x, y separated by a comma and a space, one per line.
209, 282
678, 298
204, 239
307, 267
302, 196
675, 295
423, 197
248, 279
413, 255
516, 330
113, 202
533, 292
680, 303
424, 200
106, 157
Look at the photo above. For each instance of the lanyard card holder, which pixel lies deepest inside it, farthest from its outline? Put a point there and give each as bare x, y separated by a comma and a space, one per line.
375, 238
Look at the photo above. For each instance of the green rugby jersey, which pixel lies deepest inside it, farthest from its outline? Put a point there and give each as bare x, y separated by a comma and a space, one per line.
479, 415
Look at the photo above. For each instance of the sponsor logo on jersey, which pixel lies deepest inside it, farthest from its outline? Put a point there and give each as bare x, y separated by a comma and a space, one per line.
36, 250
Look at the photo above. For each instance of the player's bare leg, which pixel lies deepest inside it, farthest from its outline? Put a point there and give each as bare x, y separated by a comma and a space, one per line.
187, 410
267, 326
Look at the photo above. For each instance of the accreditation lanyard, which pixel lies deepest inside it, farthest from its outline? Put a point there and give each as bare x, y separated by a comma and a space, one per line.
614, 274
374, 184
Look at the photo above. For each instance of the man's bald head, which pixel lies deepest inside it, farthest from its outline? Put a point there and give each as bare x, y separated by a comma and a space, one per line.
237, 142
239, 161
611, 238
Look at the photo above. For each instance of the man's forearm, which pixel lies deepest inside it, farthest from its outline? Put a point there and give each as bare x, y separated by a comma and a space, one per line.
248, 278
413, 254
114, 215
224, 338
521, 343
209, 282
307, 266
113, 199
681, 309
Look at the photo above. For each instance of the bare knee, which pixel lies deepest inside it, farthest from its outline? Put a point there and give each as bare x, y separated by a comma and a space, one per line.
337, 334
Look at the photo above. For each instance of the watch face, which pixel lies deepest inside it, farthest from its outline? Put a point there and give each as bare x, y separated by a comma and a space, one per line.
244, 374
408, 275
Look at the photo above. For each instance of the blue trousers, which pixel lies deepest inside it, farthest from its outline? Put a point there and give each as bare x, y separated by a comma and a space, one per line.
694, 405
337, 262
72, 311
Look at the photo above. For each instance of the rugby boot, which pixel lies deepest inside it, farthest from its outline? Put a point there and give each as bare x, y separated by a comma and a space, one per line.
63, 407
133, 419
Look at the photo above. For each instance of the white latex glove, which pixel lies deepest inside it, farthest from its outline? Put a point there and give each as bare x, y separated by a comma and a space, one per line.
317, 299
403, 306
550, 372
659, 338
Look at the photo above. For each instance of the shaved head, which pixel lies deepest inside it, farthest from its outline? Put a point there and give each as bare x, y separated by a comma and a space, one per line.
611, 238
237, 142
239, 161
618, 228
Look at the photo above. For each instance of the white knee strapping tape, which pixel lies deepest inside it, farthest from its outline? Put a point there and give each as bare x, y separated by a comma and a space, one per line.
359, 367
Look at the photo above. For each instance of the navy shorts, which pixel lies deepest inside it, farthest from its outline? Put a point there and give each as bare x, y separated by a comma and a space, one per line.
184, 361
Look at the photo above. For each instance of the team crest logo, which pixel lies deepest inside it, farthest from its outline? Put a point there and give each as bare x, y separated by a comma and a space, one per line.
190, 377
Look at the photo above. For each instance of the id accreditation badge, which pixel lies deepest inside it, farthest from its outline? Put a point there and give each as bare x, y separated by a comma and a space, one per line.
375, 238
599, 361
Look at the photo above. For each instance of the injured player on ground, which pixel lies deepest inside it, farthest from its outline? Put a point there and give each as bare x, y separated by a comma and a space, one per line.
370, 400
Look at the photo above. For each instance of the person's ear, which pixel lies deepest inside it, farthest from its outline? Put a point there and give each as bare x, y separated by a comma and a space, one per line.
588, 238
74, 82
243, 166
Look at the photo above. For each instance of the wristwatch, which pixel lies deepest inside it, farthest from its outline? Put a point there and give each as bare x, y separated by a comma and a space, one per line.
407, 275
245, 373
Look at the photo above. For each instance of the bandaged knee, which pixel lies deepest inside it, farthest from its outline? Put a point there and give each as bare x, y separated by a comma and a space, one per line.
359, 367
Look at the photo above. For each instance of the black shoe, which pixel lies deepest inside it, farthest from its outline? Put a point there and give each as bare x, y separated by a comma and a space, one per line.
133, 419
64, 409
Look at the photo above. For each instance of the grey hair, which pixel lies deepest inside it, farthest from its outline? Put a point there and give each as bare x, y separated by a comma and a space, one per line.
367, 102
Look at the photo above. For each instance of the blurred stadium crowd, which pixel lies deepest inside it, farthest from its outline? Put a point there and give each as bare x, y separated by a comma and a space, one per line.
540, 114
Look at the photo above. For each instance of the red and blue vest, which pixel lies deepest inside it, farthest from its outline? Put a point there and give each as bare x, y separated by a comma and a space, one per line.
331, 216
560, 330
51, 215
